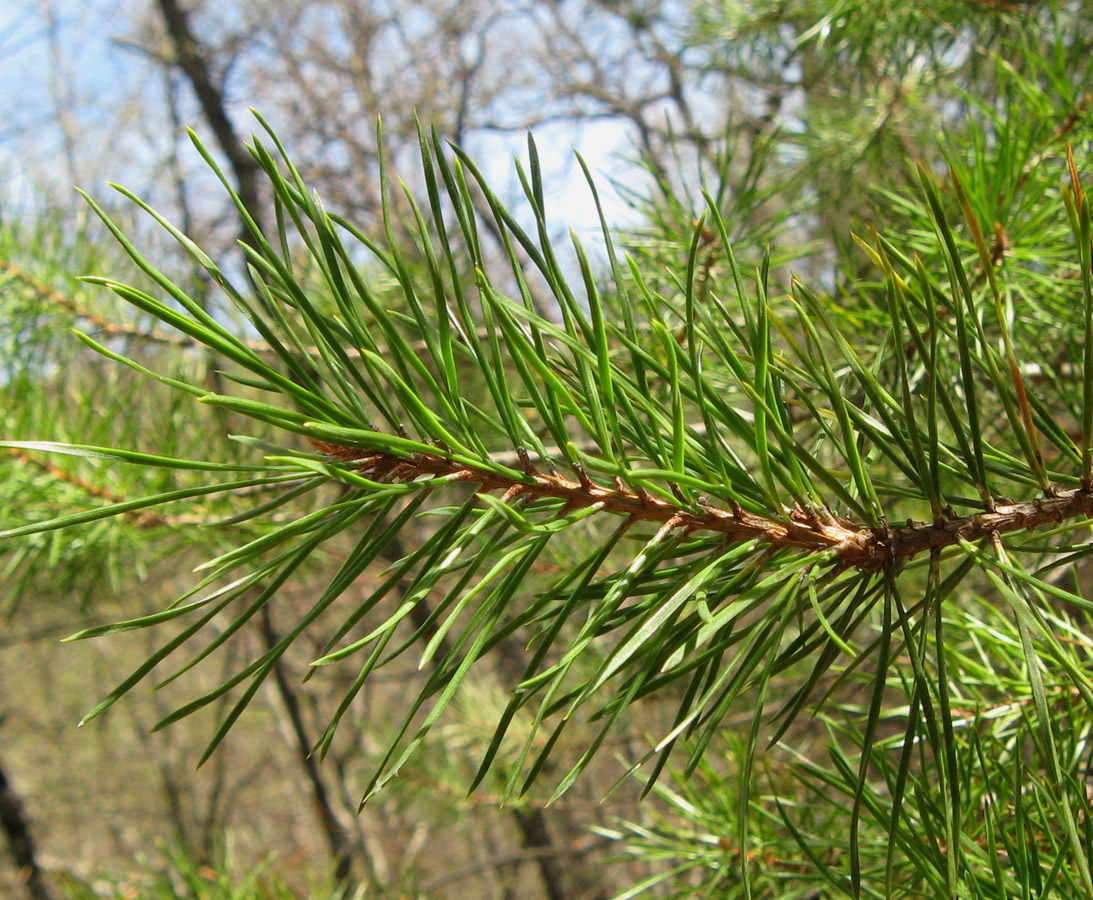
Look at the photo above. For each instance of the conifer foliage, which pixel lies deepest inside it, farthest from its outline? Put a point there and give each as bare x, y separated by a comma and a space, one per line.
855, 504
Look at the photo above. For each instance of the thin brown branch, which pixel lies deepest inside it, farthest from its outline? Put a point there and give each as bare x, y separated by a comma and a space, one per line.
110, 329
132, 332
799, 529
855, 546
917, 537
142, 518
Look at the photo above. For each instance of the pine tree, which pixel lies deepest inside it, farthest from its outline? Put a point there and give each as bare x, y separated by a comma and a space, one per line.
856, 500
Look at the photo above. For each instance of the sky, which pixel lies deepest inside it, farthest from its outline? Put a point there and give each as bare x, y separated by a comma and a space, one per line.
81, 64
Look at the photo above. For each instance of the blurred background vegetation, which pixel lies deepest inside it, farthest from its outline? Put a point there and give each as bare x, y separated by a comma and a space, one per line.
804, 120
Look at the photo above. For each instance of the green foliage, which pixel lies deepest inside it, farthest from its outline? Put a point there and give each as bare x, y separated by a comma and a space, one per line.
803, 809
845, 514
182, 878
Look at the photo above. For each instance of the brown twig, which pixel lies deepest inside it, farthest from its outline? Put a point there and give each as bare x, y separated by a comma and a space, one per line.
154, 336
142, 518
855, 546
110, 329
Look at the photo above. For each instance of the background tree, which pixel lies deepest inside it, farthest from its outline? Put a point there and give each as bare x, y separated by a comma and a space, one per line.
880, 403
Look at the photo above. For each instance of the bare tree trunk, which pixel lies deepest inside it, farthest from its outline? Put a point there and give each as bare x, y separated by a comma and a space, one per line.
210, 94
533, 829
343, 848
16, 827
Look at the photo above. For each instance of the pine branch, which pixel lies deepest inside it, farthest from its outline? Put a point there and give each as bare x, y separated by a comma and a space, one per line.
141, 518
851, 546
734, 420
146, 518
105, 327
111, 329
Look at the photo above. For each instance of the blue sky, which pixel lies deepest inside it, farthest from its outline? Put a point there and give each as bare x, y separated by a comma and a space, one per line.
86, 70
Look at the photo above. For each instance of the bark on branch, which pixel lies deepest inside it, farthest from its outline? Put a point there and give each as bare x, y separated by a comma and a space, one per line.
855, 546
